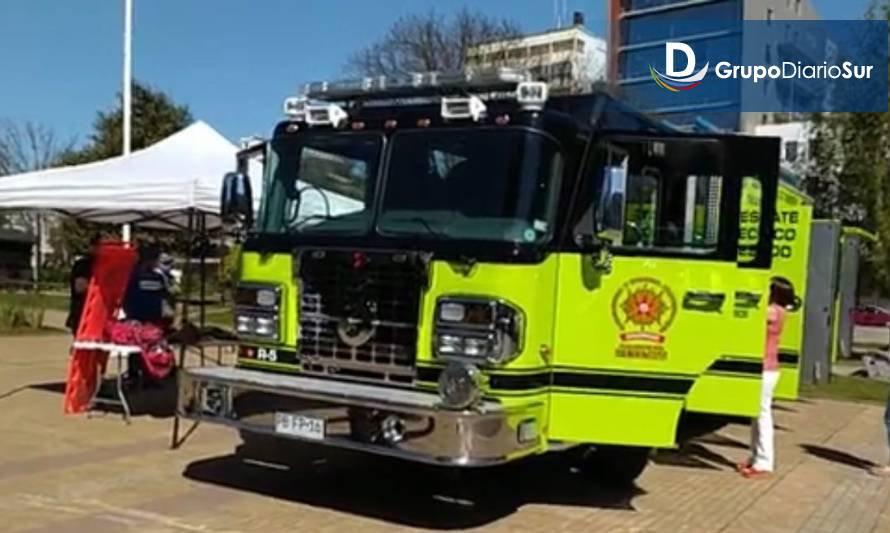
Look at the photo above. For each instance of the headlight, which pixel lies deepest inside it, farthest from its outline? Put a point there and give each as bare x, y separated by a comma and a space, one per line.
477, 329
257, 310
460, 385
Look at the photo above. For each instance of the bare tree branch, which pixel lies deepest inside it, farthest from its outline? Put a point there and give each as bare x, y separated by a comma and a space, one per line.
28, 147
430, 41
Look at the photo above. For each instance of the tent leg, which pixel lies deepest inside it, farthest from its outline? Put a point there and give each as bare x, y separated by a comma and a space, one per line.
186, 289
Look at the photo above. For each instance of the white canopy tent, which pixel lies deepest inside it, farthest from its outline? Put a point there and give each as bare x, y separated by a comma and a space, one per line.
156, 187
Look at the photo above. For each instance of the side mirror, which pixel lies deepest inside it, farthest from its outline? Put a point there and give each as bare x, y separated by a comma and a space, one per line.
796, 304
236, 201
612, 204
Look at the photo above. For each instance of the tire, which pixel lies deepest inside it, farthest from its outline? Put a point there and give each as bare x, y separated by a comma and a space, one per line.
616, 465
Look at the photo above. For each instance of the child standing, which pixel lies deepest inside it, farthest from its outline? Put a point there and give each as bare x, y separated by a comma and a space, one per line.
762, 459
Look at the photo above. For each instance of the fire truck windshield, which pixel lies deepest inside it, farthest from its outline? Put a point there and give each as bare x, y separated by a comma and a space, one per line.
321, 183
489, 184
493, 184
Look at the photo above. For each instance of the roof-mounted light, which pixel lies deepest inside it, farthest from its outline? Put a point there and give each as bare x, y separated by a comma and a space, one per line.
295, 107
299, 108
463, 107
326, 115
532, 95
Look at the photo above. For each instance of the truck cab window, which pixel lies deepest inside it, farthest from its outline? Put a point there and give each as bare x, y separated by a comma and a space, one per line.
661, 195
475, 184
321, 183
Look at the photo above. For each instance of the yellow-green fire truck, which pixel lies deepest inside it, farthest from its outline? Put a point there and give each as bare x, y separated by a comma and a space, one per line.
464, 270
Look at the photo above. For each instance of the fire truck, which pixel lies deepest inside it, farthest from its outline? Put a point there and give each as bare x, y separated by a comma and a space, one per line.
465, 270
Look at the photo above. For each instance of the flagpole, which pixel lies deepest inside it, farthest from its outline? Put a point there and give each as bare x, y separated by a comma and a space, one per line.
127, 89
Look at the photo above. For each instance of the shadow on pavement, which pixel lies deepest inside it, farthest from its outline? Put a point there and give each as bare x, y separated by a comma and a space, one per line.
158, 402
412, 494
837, 456
693, 455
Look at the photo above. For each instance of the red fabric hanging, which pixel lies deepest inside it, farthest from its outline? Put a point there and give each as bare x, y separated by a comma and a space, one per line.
112, 265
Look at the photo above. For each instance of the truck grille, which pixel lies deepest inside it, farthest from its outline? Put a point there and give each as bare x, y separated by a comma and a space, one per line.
359, 313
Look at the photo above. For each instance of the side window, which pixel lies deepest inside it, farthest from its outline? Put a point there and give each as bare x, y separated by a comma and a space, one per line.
662, 194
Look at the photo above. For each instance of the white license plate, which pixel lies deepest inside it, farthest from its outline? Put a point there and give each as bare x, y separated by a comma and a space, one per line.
305, 427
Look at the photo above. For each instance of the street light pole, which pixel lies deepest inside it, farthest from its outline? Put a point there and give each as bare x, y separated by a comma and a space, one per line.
127, 89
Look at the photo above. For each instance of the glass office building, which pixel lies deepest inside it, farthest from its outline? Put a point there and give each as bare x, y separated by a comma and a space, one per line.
714, 28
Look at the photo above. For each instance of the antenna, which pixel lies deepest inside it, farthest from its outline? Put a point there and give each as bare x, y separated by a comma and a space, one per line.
556, 14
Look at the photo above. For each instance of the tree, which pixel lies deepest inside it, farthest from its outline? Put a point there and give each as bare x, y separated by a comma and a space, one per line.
24, 148
849, 175
27, 147
427, 42
155, 116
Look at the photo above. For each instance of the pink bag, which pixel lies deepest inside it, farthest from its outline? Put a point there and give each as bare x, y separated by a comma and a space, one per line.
157, 356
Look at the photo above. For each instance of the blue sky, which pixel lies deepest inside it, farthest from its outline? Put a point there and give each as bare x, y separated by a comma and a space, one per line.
231, 61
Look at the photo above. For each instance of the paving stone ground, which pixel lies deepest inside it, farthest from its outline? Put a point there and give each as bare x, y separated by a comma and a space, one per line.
75, 474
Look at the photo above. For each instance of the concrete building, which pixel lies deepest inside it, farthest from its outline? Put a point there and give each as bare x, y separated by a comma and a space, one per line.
795, 141
638, 30
571, 58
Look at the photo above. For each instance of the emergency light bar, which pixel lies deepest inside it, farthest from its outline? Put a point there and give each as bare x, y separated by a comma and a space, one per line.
418, 84
462, 94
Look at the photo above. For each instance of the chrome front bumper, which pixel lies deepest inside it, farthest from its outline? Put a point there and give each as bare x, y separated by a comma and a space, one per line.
353, 413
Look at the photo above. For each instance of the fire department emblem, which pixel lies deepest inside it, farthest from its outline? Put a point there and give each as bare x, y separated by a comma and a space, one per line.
643, 310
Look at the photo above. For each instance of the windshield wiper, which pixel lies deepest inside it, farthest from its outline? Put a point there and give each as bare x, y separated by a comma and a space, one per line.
419, 220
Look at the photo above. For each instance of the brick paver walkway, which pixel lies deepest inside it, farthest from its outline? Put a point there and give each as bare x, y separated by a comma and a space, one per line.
76, 474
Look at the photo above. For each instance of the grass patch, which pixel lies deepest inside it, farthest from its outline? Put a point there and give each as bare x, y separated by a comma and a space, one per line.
58, 302
849, 389
32, 332
218, 316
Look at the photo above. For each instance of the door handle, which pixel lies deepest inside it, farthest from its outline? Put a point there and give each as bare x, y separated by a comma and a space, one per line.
747, 300
704, 301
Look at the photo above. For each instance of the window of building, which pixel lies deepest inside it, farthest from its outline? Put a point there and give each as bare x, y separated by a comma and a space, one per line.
564, 46
579, 45
518, 53
539, 50
791, 151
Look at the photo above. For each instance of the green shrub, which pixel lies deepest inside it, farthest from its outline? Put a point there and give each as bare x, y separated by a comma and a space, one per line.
24, 314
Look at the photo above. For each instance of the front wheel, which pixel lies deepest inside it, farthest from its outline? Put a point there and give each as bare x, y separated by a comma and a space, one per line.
617, 465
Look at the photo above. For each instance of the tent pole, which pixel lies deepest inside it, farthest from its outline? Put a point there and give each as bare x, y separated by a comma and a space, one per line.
186, 292
126, 91
128, 75
202, 230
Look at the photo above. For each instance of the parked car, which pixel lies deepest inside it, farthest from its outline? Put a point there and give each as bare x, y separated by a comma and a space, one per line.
871, 315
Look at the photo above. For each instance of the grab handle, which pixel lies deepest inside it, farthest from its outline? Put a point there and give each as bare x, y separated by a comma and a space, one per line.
704, 301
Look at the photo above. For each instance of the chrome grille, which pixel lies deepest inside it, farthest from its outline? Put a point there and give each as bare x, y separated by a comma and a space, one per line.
359, 313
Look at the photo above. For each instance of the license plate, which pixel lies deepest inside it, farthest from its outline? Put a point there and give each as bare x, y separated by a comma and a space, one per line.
305, 427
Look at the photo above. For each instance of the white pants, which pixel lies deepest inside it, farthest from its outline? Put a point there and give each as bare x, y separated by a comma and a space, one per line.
762, 450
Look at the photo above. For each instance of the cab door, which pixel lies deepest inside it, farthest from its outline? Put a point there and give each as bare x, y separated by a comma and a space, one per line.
634, 339
751, 164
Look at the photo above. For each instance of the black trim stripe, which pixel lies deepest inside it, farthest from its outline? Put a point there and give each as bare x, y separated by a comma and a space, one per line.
789, 358
575, 380
737, 366
619, 382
